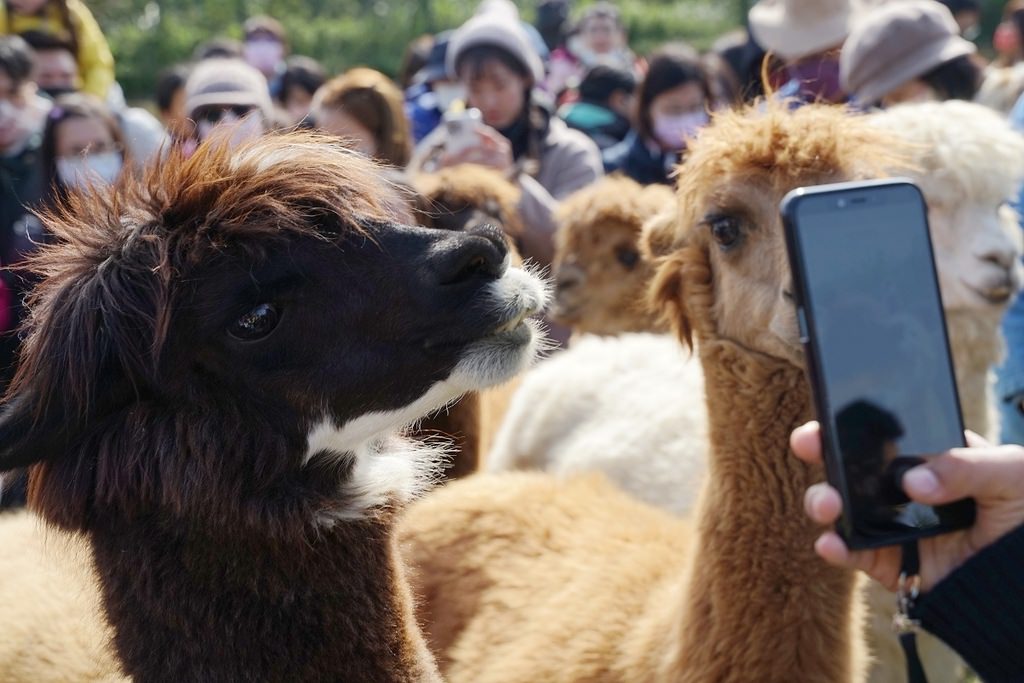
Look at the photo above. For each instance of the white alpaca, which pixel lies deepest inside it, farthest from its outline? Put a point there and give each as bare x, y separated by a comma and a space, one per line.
631, 406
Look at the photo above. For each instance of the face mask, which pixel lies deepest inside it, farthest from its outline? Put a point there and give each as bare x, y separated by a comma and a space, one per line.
54, 93
102, 167
1004, 40
818, 79
673, 131
264, 54
447, 93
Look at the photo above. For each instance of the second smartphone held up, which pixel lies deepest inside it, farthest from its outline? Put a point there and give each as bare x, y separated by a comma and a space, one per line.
877, 353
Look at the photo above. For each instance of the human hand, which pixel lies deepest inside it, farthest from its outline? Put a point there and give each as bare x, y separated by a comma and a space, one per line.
492, 150
992, 475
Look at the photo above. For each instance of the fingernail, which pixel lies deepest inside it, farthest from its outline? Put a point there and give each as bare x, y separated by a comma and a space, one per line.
920, 480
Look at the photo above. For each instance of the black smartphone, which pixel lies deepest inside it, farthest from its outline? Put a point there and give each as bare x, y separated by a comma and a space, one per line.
874, 335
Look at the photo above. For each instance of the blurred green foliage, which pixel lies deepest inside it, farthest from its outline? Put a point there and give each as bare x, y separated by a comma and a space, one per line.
148, 35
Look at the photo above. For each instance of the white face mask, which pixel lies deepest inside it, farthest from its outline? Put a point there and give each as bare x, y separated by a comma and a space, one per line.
673, 131
446, 93
78, 171
264, 54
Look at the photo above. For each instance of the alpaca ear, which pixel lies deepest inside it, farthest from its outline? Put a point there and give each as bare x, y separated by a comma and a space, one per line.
658, 236
665, 297
26, 438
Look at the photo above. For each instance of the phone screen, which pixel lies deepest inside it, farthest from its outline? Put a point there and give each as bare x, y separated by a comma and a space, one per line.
884, 379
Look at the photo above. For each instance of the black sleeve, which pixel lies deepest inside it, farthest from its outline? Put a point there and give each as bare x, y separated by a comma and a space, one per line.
978, 610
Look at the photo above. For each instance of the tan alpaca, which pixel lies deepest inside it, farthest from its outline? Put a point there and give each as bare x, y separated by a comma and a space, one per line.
601, 275
522, 579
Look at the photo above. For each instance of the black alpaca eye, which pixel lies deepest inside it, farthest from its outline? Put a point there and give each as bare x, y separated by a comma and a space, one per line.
725, 230
256, 324
627, 257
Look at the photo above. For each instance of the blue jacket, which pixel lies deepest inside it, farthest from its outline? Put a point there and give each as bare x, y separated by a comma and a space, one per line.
643, 163
1010, 376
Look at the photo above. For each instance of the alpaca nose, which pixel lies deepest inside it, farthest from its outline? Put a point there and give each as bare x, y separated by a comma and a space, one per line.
477, 253
1004, 258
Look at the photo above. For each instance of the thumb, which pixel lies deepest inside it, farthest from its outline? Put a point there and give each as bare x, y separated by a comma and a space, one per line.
986, 474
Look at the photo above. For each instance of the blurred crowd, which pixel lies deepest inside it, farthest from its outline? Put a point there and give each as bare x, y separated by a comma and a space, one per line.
552, 105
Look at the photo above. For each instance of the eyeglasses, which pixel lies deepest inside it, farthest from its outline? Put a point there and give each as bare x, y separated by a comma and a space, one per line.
214, 114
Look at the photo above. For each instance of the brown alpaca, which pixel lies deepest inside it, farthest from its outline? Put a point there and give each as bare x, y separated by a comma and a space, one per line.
601, 274
460, 198
217, 367
525, 579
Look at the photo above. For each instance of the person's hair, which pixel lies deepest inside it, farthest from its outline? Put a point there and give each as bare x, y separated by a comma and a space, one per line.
600, 10
170, 81
957, 79
218, 48
73, 106
473, 60
372, 99
15, 59
44, 41
303, 72
69, 34
417, 53
604, 80
669, 67
264, 24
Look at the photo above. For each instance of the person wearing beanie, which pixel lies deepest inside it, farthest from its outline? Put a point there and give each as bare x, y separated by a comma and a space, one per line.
228, 92
673, 104
806, 36
908, 52
494, 61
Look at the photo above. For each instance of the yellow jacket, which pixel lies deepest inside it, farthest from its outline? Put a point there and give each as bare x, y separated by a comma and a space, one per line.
95, 63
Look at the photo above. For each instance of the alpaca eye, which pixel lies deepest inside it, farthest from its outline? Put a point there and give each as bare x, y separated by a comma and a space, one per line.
256, 324
627, 257
725, 230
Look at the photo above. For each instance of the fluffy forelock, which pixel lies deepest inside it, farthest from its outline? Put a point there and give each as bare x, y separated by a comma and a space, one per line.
962, 151
780, 148
108, 277
614, 198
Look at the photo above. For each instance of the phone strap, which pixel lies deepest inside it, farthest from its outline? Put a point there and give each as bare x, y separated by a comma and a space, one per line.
907, 591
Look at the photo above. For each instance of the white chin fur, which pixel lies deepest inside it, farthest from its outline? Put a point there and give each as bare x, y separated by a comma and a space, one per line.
390, 469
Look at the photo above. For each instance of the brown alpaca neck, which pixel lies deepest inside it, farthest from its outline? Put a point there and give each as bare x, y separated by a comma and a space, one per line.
191, 606
759, 604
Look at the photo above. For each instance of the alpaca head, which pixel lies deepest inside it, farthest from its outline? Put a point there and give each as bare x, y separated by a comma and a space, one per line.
231, 342
601, 276
722, 267
969, 164
466, 196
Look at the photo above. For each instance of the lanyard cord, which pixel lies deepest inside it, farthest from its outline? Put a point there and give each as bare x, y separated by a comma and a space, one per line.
903, 624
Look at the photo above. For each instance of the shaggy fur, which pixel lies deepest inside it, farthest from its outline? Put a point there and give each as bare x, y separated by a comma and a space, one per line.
750, 601
51, 574
631, 406
601, 277
238, 496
